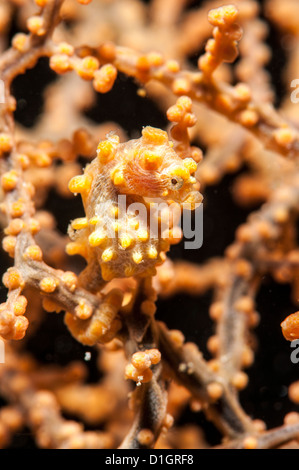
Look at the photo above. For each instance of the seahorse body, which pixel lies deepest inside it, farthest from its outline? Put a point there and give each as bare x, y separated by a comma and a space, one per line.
118, 189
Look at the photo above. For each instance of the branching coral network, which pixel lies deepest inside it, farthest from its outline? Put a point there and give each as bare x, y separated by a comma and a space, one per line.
106, 272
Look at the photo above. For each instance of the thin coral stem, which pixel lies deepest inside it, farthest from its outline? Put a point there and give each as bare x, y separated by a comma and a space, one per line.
150, 414
149, 399
191, 370
232, 330
175, 277
273, 439
13, 62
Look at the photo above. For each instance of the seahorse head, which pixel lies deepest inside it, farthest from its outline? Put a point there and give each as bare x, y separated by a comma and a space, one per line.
149, 167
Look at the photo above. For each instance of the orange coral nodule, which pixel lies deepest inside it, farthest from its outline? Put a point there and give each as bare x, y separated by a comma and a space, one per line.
106, 149
34, 226
143, 64
20, 42
34, 253
250, 442
60, 63
48, 285
141, 360
80, 184
104, 78
23, 160
145, 437
225, 15
17, 208
9, 244
9, 180
83, 310
223, 46
139, 368
290, 327
215, 390
181, 86
154, 355
6, 142
74, 248
65, 48
79, 223
12, 279
87, 67
15, 226
20, 326
35, 24
284, 136
154, 136
50, 305
70, 280
179, 110
138, 376
41, 3
97, 238
20, 305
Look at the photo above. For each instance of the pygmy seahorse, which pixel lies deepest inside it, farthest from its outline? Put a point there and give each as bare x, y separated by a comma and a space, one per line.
118, 189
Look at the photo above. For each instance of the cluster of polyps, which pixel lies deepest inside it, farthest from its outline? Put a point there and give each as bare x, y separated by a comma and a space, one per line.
120, 236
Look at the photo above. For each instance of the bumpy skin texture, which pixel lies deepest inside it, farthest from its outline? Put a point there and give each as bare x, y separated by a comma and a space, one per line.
119, 235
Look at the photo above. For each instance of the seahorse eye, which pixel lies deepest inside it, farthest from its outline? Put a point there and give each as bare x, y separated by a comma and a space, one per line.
176, 182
